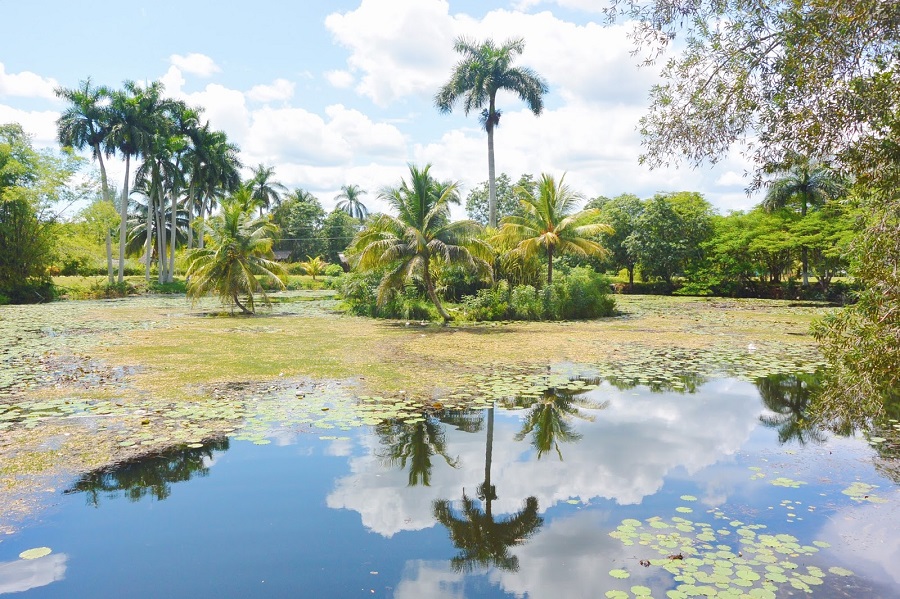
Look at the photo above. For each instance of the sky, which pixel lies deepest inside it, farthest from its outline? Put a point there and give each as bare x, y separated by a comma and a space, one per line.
341, 92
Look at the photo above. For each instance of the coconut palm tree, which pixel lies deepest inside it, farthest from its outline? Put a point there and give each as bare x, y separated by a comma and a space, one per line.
314, 266
240, 250
85, 123
264, 190
350, 202
550, 223
409, 243
414, 444
807, 185
484, 70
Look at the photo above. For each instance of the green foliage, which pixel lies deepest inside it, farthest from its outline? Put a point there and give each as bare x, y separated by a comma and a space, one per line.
334, 270
360, 292
669, 233
478, 200
621, 213
338, 230
314, 266
581, 294
299, 219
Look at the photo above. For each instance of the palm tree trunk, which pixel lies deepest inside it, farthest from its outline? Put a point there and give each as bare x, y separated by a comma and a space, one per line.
488, 452
492, 183
148, 229
190, 204
429, 287
631, 278
160, 237
172, 222
240, 305
549, 264
804, 258
104, 186
201, 241
123, 216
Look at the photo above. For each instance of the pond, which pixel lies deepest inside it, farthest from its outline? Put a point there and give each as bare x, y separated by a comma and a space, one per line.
583, 489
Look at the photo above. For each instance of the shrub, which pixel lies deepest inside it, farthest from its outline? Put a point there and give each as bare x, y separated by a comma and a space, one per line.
525, 303
4, 300
334, 270
488, 304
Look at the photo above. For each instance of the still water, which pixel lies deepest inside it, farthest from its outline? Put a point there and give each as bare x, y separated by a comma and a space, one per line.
723, 491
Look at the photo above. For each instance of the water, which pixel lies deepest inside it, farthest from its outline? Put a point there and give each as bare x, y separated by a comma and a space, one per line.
490, 503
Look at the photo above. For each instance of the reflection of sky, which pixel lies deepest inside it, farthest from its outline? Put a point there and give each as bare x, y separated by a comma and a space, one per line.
25, 574
624, 455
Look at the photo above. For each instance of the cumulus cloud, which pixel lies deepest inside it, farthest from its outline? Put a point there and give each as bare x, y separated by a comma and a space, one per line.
23, 575
340, 79
195, 64
280, 90
26, 84
41, 124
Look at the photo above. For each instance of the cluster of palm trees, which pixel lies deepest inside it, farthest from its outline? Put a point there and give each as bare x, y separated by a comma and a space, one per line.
183, 166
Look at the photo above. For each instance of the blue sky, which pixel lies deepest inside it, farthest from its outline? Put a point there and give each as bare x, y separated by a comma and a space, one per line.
341, 92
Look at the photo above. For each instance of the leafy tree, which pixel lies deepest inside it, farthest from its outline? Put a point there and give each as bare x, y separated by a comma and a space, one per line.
300, 219
349, 201
265, 191
805, 186
484, 70
338, 230
551, 224
621, 213
478, 201
421, 233
240, 251
670, 232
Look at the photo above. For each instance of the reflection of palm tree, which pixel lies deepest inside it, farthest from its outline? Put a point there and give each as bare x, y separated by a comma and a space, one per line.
414, 443
483, 541
153, 475
788, 398
549, 420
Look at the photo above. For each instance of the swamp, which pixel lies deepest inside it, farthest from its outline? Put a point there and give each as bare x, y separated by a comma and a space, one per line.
663, 452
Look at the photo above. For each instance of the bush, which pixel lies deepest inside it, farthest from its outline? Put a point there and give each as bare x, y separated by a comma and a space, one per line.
334, 270
4, 300
579, 295
360, 294
29, 292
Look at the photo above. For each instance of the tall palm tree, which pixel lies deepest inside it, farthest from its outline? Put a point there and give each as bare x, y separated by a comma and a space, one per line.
264, 190
550, 223
134, 119
85, 123
217, 172
420, 234
240, 250
484, 70
788, 397
806, 185
350, 202
414, 443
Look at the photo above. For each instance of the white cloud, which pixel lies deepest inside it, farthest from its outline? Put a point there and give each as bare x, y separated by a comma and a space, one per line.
22, 575
41, 124
195, 64
281, 90
340, 79
26, 84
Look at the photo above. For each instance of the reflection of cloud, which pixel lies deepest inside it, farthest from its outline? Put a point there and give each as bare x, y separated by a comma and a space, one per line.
430, 580
625, 455
24, 574
866, 539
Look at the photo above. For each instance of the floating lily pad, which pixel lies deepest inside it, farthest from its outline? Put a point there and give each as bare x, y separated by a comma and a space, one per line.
35, 553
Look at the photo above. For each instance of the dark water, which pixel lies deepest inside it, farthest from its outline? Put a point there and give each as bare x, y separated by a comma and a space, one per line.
489, 503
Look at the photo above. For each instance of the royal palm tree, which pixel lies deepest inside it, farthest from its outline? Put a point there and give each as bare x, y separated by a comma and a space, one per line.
264, 189
240, 250
550, 223
217, 172
484, 70
421, 233
350, 202
85, 124
807, 185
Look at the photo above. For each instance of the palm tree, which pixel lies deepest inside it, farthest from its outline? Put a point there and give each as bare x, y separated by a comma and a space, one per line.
409, 243
788, 397
85, 123
240, 250
806, 185
314, 266
264, 190
217, 172
550, 223
484, 70
350, 202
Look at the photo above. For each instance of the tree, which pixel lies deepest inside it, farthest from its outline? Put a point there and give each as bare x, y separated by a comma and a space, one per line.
414, 444
420, 234
484, 70
85, 123
621, 213
550, 224
299, 218
264, 190
478, 200
314, 266
788, 397
240, 251
670, 232
214, 171
338, 230
804, 186
350, 203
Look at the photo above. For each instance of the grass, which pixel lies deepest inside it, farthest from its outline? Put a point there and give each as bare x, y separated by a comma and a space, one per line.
142, 359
